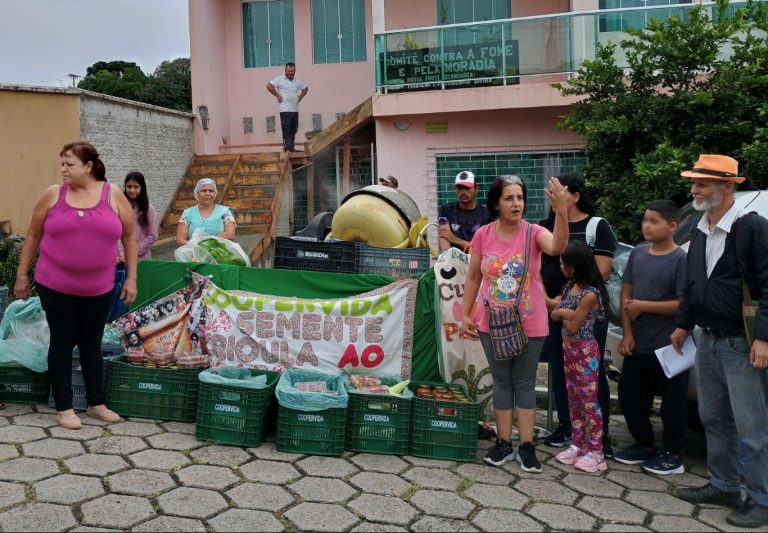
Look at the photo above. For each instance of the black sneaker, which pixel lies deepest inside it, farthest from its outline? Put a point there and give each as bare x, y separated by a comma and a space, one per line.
664, 463
607, 447
559, 438
709, 494
634, 455
501, 453
750, 514
526, 456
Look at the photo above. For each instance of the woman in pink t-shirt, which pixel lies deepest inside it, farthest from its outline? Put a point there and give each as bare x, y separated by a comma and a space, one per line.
496, 269
76, 225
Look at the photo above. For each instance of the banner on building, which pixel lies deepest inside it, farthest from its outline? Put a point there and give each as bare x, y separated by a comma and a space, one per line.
462, 359
367, 333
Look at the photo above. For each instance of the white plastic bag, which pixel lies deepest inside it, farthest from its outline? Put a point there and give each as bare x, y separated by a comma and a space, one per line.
229, 252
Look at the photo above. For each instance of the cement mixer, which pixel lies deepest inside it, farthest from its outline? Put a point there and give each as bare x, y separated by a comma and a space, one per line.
380, 216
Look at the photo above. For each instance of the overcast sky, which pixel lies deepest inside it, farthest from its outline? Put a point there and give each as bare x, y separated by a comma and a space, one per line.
42, 41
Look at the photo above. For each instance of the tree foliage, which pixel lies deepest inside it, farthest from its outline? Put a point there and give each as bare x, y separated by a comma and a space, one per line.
169, 86
693, 85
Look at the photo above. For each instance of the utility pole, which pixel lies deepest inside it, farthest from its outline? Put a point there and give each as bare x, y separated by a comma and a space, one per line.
74, 77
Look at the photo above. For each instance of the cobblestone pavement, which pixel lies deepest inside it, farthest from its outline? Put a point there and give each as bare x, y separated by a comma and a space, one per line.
147, 475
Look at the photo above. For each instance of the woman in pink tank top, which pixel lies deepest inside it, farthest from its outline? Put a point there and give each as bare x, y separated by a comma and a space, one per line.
76, 226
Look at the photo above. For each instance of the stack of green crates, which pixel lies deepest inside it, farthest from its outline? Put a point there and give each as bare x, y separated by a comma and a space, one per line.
378, 423
444, 429
18, 384
159, 393
240, 416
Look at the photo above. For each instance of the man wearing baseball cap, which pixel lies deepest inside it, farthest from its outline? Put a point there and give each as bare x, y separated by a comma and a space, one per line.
460, 220
728, 245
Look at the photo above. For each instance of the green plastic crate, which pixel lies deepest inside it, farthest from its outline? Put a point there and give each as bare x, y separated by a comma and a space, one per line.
18, 384
240, 416
444, 429
378, 423
311, 432
159, 393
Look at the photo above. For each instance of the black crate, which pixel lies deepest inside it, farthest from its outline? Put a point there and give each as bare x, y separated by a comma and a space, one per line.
395, 262
320, 256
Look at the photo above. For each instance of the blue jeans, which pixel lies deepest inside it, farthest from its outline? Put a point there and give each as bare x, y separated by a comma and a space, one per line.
733, 405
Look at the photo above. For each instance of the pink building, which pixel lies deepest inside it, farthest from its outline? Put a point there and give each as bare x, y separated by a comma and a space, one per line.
454, 85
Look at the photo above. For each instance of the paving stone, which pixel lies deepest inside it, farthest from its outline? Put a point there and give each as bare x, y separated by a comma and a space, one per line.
659, 502
84, 433
68, 489
141, 482
91, 421
16, 409
370, 527
688, 479
433, 478
429, 463
612, 510
677, 523
12, 494
261, 497
193, 503
171, 524
377, 483
20, 434
38, 517
499, 520
117, 511
372, 462
321, 489
134, 429
159, 460
43, 408
593, 485
715, 517
245, 520
179, 427
561, 517
437, 523
387, 509
319, 466
269, 472
116, 445
8, 452
491, 475
496, 496
700, 470
39, 420
207, 477
52, 448
637, 480
546, 474
268, 451
89, 529
94, 464
231, 456
620, 528
4, 421
442, 503
26, 469
546, 491
320, 517
174, 441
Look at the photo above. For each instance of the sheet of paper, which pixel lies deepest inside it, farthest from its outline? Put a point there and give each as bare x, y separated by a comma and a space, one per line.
672, 362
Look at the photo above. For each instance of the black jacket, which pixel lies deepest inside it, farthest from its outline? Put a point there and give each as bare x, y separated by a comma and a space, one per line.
716, 302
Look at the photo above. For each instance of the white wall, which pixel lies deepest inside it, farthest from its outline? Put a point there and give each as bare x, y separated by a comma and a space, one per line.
132, 136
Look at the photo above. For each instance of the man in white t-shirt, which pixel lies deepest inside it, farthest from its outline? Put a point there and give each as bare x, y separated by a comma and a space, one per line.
289, 90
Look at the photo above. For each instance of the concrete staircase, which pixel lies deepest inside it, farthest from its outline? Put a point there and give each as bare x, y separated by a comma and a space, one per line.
247, 183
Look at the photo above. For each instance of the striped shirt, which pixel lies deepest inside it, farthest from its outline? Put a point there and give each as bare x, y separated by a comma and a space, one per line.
716, 238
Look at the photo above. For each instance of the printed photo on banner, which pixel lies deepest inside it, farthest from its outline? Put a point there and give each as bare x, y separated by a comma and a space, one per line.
366, 333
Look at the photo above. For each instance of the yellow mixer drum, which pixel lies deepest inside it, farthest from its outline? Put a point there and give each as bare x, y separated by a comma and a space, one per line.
377, 215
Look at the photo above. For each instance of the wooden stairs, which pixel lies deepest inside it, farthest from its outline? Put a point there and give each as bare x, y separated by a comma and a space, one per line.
251, 184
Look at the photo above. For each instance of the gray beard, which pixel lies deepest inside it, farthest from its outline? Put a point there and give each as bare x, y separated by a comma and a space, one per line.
711, 203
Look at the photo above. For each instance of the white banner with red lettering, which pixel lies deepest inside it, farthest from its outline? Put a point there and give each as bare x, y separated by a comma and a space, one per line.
370, 333
462, 359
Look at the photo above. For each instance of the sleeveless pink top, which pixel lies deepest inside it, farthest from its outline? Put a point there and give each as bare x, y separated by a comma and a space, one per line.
78, 250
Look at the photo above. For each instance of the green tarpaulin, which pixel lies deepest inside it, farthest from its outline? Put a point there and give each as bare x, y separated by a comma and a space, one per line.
159, 278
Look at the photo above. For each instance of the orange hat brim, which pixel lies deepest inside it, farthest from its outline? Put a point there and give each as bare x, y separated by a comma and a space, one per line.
691, 174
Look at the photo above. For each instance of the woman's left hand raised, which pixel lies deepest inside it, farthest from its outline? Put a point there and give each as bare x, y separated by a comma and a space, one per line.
558, 195
128, 294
